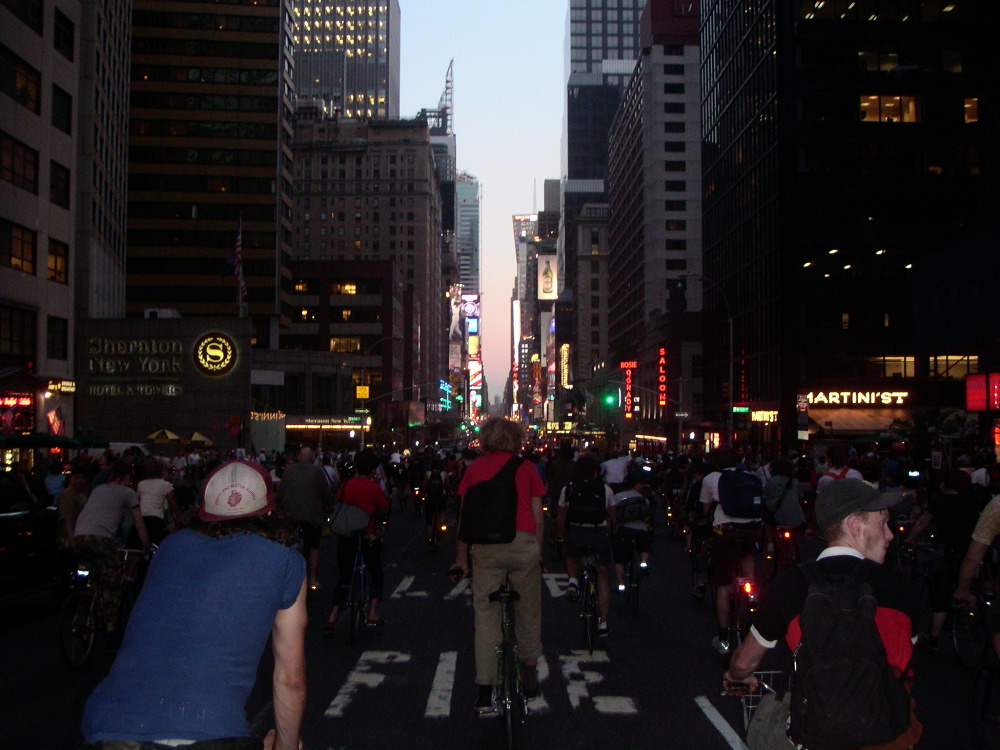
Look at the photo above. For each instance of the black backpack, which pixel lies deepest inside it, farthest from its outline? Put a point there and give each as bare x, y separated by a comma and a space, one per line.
489, 508
741, 494
587, 502
844, 694
635, 508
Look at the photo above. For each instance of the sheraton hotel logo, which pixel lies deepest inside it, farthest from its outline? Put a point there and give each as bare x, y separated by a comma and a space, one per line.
214, 354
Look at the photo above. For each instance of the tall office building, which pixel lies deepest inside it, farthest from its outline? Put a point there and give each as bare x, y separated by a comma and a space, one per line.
40, 55
366, 190
654, 196
210, 160
347, 55
467, 231
844, 143
602, 41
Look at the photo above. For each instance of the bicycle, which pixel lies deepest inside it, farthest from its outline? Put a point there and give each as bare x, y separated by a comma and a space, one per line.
588, 596
509, 699
780, 549
632, 577
80, 620
358, 595
700, 556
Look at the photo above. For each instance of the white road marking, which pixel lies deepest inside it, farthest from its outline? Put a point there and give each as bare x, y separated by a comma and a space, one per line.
439, 700
403, 586
728, 733
556, 583
539, 705
462, 587
362, 676
578, 682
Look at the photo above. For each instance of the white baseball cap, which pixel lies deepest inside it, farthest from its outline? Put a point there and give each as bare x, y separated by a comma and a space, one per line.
237, 489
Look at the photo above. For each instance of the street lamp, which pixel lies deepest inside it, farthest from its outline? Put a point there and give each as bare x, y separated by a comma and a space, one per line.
729, 320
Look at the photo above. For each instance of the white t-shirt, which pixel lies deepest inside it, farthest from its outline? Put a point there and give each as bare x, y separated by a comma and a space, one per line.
609, 499
838, 474
152, 495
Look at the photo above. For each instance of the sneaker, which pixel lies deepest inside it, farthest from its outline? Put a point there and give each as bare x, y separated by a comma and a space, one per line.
644, 569
621, 588
529, 680
721, 646
572, 591
602, 629
484, 700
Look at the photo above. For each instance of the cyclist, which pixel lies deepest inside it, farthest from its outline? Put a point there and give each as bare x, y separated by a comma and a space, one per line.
519, 560
365, 492
733, 543
633, 513
214, 593
435, 500
853, 519
95, 534
986, 531
585, 520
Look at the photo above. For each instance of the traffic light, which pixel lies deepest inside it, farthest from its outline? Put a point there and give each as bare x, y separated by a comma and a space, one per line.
611, 398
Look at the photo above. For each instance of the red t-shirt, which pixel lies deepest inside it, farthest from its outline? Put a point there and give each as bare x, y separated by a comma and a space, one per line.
529, 484
365, 494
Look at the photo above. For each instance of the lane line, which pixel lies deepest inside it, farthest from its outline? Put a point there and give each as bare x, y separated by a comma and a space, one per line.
439, 700
458, 589
403, 586
712, 714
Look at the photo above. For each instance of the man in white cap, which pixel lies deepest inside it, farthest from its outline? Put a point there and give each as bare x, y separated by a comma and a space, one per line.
214, 593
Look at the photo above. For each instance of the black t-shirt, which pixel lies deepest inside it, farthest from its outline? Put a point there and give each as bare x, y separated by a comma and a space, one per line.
897, 597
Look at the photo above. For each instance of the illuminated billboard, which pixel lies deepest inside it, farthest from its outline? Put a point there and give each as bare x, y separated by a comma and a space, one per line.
548, 287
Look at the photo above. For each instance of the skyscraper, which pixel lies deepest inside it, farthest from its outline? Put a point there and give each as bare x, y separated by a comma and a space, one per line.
603, 43
467, 232
347, 55
210, 160
843, 144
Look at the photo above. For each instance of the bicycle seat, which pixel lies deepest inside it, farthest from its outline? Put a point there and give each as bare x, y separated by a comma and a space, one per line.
504, 594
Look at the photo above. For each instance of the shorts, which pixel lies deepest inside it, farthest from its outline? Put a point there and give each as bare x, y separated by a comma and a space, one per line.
434, 505
624, 539
730, 545
580, 538
310, 535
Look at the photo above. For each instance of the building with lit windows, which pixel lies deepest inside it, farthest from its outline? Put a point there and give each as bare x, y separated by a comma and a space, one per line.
844, 143
41, 57
654, 215
467, 208
347, 55
210, 160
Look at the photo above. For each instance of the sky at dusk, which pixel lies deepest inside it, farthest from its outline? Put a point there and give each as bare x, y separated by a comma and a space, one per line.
509, 94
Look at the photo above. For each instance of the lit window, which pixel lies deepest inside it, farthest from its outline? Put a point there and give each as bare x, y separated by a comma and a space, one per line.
300, 286
972, 109
845, 320
887, 108
345, 344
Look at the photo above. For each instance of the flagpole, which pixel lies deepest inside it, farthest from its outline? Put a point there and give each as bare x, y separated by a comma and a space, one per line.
240, 309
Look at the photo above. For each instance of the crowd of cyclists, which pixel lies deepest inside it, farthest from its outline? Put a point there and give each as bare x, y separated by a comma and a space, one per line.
596, 501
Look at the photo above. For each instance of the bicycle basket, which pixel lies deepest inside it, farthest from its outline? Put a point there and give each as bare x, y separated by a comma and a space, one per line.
769, 682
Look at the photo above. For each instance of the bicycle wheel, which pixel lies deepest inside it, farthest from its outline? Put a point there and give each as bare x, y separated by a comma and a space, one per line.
969, 636
358, 603
510, 700
588, 610
770, 553
632, 585
77, 628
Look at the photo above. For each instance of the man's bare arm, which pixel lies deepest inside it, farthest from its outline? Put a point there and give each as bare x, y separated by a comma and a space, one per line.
288, 638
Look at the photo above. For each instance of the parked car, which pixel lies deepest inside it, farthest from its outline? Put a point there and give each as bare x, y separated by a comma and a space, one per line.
30, 558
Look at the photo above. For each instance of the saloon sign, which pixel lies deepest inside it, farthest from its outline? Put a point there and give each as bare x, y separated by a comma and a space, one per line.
857, 398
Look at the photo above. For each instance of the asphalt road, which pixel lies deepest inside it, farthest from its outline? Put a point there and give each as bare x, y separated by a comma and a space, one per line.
655, 685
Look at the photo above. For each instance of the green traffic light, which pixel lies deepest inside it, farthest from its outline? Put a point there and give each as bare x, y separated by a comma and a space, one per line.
610, 399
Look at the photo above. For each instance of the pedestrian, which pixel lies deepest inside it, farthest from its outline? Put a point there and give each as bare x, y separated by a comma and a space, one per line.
215, 592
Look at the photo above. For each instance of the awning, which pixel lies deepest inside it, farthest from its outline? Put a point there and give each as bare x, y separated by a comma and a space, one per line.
856, 420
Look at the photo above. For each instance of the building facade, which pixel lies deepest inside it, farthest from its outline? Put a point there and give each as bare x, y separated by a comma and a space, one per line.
467, 232
654, 196
347, 56
210, 161
842, 146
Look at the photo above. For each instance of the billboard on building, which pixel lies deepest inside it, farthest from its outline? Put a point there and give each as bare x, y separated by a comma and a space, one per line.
548, 286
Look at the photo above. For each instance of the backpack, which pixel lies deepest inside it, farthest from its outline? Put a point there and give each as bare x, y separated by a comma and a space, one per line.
588, 501
844, 692
488, 514
741, 494
634, 508
435, 486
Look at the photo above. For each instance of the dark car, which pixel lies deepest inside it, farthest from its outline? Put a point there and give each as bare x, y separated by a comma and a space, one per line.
30, 559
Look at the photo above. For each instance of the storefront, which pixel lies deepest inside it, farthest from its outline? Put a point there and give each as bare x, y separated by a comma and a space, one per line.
853, 414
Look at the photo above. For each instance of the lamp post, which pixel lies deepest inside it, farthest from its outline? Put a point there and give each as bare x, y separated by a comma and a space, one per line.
729, 320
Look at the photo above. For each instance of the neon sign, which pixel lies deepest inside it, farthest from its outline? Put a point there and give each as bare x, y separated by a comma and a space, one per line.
628, 366
857, 398
661, 377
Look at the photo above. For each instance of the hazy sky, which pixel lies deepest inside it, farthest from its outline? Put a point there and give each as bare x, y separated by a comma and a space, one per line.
508, 96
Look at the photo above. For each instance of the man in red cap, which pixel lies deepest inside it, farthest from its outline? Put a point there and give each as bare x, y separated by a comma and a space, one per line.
214, 593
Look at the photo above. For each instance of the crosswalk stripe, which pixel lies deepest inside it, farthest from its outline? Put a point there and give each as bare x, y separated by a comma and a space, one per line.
439, 700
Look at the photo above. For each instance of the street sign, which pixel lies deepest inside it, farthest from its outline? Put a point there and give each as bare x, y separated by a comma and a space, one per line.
682, 414
361, 391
